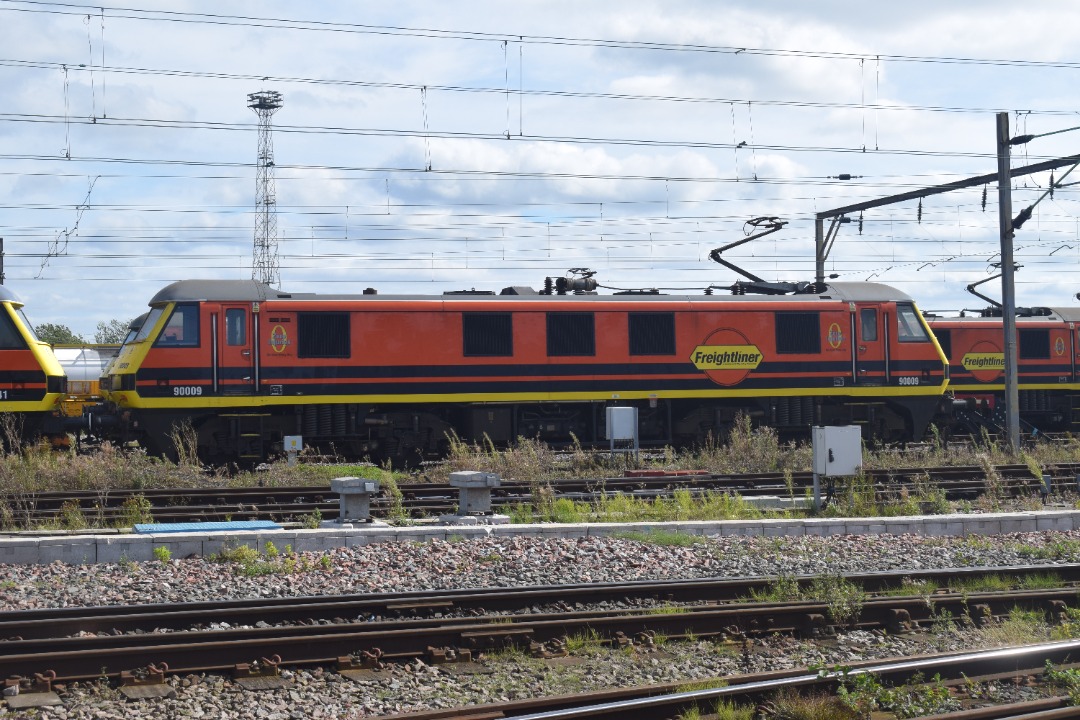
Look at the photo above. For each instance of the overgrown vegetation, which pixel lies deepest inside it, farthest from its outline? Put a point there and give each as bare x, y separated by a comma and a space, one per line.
26, 471
248, 561
864, 694
844, 599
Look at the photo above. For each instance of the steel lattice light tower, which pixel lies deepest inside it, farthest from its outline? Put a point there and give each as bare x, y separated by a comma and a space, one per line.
265, 267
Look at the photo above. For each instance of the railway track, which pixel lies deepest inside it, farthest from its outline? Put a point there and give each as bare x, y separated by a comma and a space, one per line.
660, 702
427, 499
358, 632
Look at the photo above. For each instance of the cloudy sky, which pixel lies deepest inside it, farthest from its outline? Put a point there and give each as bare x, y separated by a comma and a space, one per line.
433, 146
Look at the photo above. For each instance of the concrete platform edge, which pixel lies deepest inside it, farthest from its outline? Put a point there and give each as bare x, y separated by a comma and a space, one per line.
111, 547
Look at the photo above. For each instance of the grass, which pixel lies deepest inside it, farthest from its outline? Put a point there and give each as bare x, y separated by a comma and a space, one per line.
25, 471
662, 537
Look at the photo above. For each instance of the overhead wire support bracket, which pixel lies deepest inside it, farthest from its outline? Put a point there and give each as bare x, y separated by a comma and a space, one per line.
819, 223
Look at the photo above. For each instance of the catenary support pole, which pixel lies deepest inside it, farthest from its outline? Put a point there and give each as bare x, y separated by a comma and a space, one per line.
1008, 288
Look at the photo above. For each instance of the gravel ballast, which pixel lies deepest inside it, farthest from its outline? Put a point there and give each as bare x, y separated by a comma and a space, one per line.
492, 562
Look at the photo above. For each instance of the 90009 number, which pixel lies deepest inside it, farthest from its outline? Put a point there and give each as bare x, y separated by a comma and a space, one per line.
186, 391
909, 381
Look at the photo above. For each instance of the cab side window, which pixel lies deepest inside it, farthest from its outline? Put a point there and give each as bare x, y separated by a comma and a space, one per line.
182, 328
908, 327
235, 327
10, 339
868, 322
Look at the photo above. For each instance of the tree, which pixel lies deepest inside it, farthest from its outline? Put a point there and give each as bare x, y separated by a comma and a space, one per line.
58, 334
112, 332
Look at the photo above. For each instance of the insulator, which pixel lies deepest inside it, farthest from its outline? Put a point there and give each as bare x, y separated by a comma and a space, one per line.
580, 284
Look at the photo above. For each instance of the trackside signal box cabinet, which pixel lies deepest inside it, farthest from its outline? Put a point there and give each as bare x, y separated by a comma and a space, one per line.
837, 450
622, 423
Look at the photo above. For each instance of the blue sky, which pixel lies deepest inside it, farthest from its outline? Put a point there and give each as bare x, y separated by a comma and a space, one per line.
631, 138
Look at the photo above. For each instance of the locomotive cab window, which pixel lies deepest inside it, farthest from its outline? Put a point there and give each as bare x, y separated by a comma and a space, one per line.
798, 333
571, 334
652, 333
182, 329
235, 326
1034, 344
26, 324
908, 327
148, 324
868, 324
487, 334
322, 335
10, 339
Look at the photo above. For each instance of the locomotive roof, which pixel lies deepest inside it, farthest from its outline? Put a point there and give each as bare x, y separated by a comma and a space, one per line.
8, 296
254, 291
1055, 314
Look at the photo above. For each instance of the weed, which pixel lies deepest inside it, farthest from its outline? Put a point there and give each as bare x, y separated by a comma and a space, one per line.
666, 609
1020, 627
666, 538
864, 694
785, 588
789, 704
397, 512
312, 520
843, 598
1067, 680
72, 517
185, 442
135, 510
587, 641
727, 710
162, 553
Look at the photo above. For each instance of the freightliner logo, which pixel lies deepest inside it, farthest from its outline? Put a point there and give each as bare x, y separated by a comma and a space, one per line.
983, 361
726, 357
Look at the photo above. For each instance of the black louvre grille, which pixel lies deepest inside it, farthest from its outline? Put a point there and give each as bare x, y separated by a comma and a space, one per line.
487, 334
322, 335
798, 332
1034, 344
652, 333
571, 334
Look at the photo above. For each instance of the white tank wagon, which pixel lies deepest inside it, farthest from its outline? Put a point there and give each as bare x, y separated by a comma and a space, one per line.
84, 365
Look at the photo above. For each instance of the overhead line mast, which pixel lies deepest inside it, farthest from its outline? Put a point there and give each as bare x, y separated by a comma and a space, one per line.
265, 266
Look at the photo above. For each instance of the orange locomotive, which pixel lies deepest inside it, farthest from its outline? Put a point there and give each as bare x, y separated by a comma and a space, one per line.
1047, 380
396, 376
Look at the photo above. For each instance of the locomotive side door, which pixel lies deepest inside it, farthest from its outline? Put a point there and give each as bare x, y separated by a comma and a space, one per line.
871, 345
235, 351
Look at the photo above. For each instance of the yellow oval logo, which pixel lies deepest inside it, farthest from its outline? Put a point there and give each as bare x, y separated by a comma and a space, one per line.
726, 356
985, 366
279, 339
